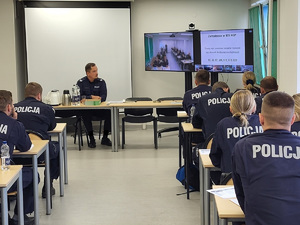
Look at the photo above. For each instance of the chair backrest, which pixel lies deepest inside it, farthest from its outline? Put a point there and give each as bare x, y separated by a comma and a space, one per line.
33, 135
138, 111
208, 142
169, 111
227, 179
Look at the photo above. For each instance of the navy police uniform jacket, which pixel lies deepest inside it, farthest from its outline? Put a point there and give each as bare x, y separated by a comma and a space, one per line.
228, 132
211, 109
259, 100
191, 96
36, 116
14, 133
266, 175
97, 87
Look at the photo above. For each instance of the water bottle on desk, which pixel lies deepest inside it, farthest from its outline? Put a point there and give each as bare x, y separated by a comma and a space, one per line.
192, 112
5, 157
74, 95
78, 94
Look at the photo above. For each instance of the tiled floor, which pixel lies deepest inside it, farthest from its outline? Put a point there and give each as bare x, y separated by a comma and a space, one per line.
135, 186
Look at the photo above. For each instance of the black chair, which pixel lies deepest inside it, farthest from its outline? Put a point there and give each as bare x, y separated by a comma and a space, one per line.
168, 115
139, 115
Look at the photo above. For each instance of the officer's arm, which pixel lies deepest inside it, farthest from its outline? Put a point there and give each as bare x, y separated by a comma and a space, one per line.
23, 142
216, 152
52, 119
197, 120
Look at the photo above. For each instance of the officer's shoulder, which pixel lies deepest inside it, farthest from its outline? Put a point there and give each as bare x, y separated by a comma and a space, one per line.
82, 79
99, 79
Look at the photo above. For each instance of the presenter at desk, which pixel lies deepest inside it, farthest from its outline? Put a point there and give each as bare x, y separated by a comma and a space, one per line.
95, 88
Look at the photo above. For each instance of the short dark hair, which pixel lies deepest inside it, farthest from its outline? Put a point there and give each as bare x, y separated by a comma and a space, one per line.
269, 84
202, 76
278, 107
5, 99
32, 89
219, 84
89, 66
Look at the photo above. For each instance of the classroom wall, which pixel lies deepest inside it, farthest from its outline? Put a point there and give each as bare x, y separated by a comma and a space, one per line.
171, 15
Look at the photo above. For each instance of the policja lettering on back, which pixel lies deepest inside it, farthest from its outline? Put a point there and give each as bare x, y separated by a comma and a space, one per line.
273, 151
199, 94
215, 101
237, 132
29, 109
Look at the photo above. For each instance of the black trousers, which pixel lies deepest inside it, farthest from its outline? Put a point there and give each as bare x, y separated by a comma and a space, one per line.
102, 114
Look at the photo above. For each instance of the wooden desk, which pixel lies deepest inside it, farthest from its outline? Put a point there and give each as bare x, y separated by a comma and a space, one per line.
103, 105
7, 179
227, 210
188, 129
182, 116
61, 131
205, 166
138, 104
39, 146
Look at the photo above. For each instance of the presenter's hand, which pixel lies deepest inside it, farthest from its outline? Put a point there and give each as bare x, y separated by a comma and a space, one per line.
95, 97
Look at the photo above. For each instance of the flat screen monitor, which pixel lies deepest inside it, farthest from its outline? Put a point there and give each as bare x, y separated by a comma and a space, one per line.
226, 51
169, 51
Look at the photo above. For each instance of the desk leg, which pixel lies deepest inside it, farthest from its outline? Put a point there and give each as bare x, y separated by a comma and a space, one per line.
61, 163
65, 156
48, 195
35, 189
115, 128
180, 143
186, 151
223, 222
216, 218
20, 199
4, 208
201, 174
206, 197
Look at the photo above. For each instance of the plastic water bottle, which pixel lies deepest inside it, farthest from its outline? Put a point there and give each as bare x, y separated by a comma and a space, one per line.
74, 95
78, 94
5, 157
192, 112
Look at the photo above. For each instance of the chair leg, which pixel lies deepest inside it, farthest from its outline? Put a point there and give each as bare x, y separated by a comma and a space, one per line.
80, 141
100, 129
123, 134
155, 133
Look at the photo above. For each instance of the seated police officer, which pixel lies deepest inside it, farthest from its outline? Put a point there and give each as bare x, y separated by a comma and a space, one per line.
95, 88
295, 129
40, 117
211, 108
230, 129
191, 96
267, 85
14, 133
266, 166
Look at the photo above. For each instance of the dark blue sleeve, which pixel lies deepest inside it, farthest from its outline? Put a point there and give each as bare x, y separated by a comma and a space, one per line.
23, 142
103, 93
52, 119
236, 165
216, 151
197, 119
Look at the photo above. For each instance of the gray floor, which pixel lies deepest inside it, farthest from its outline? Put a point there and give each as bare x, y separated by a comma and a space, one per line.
136, 185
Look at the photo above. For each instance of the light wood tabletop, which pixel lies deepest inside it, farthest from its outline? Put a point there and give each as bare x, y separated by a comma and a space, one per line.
37, 146
6, 176
59, 128
188, 128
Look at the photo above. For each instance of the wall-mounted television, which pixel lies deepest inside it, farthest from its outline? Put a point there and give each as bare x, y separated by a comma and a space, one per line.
226, 51
169, 51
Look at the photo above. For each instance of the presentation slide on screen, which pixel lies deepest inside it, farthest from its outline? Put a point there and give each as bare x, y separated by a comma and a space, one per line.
223, 47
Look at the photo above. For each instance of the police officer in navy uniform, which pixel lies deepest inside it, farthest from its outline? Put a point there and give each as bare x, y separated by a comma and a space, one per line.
40, 117
230, 129
13, 131
191, 96
267, 85
249, 83
211, 108
95, 88
266, 166
295, 129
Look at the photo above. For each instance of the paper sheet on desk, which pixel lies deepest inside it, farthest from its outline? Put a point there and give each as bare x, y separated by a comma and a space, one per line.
223, 192
235, 201
115, 102
204, 151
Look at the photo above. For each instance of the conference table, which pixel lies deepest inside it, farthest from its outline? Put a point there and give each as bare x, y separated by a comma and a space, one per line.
7, 179
115, 107
38, 148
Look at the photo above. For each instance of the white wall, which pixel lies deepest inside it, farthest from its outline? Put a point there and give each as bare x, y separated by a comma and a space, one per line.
8, 74
288, 46
172, 15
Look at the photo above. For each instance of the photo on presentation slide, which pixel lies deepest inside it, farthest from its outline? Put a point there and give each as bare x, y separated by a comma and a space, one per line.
226, 51
169, 51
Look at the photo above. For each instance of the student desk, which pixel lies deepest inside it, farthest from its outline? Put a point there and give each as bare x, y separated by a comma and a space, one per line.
188, 130
7, 179
182, 116
61, 131
82, 107
205, 166
39, 146
227, 210
138, 104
